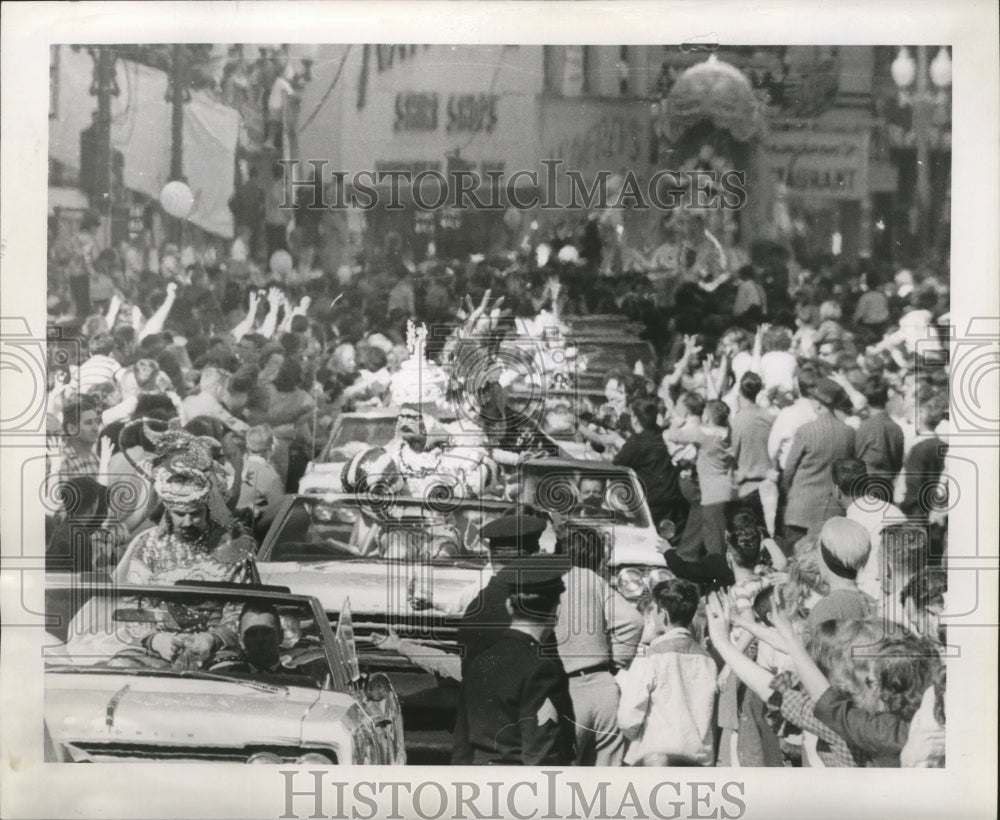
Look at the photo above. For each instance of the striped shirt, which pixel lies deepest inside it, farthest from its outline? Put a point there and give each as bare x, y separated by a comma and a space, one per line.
97, 370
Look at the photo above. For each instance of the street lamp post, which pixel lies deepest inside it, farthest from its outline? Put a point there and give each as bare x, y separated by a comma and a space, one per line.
923, 101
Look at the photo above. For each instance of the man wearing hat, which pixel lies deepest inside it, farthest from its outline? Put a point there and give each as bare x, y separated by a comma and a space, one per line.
196, 539
808, 470
486, 616
408, 447
514, 705
483, 605
596, 631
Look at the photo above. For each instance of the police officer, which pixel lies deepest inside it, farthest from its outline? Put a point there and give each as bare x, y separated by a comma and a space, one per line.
483, 609
514, 705
486, 616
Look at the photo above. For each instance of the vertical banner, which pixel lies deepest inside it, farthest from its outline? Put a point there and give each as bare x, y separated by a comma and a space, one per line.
211, 131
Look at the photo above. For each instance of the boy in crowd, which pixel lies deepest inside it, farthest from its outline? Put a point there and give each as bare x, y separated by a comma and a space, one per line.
668, 694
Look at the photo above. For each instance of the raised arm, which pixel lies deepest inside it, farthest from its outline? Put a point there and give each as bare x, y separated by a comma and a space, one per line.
813, 679
157, 320
434, 660
270, 322
113, 308
244, 327
755, 677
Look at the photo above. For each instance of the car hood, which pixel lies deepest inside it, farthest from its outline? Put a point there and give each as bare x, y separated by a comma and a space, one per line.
383, 588
374, 587
110, 708
637, 546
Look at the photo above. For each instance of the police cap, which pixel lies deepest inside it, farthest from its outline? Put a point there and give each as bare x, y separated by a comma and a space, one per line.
535, 575
514, 534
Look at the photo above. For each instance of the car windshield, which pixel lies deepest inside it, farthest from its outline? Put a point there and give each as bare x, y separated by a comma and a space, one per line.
373, 431
272, 641
606, 356
583, 491
351, 528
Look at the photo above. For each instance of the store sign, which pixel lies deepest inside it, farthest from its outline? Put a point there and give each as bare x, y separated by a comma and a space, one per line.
469, 113
597, 137
473, 113
817, 164
416, 112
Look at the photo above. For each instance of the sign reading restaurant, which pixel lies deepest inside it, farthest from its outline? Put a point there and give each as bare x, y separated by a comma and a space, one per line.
817, 164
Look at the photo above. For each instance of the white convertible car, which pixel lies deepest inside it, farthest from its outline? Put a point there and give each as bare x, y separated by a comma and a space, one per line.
109, 697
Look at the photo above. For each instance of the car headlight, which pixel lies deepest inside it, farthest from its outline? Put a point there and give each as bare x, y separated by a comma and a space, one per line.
631, 583
264, 757
314, 757
658, 576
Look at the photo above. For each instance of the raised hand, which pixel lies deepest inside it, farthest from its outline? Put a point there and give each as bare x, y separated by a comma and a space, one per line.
196, 650
690, 348
780, 621
167, 645
719, 622
274, 297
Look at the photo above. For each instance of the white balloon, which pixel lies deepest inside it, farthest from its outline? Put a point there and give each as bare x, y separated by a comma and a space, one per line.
281, 263
177, 199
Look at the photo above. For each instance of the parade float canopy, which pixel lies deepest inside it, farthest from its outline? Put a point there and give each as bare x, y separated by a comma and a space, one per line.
718, 92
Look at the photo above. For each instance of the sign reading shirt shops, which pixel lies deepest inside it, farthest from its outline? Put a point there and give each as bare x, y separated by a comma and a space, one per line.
469, 113
817, 164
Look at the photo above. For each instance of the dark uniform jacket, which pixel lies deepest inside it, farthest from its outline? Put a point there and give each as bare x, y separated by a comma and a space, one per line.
486, 619
514, 707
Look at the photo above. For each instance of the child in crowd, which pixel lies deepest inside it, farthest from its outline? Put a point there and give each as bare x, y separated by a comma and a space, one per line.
668, 693
715, 469
844, 547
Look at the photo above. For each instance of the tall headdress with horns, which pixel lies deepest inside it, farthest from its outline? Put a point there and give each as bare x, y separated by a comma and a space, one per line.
183, 469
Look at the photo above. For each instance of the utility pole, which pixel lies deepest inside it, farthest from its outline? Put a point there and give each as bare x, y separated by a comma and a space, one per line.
177, 95
104, 86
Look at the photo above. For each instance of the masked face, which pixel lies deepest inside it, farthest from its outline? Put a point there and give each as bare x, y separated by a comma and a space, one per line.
592, 493
261, 638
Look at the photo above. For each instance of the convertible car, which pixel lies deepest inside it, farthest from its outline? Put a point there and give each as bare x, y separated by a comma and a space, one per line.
290, 693
387, 553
